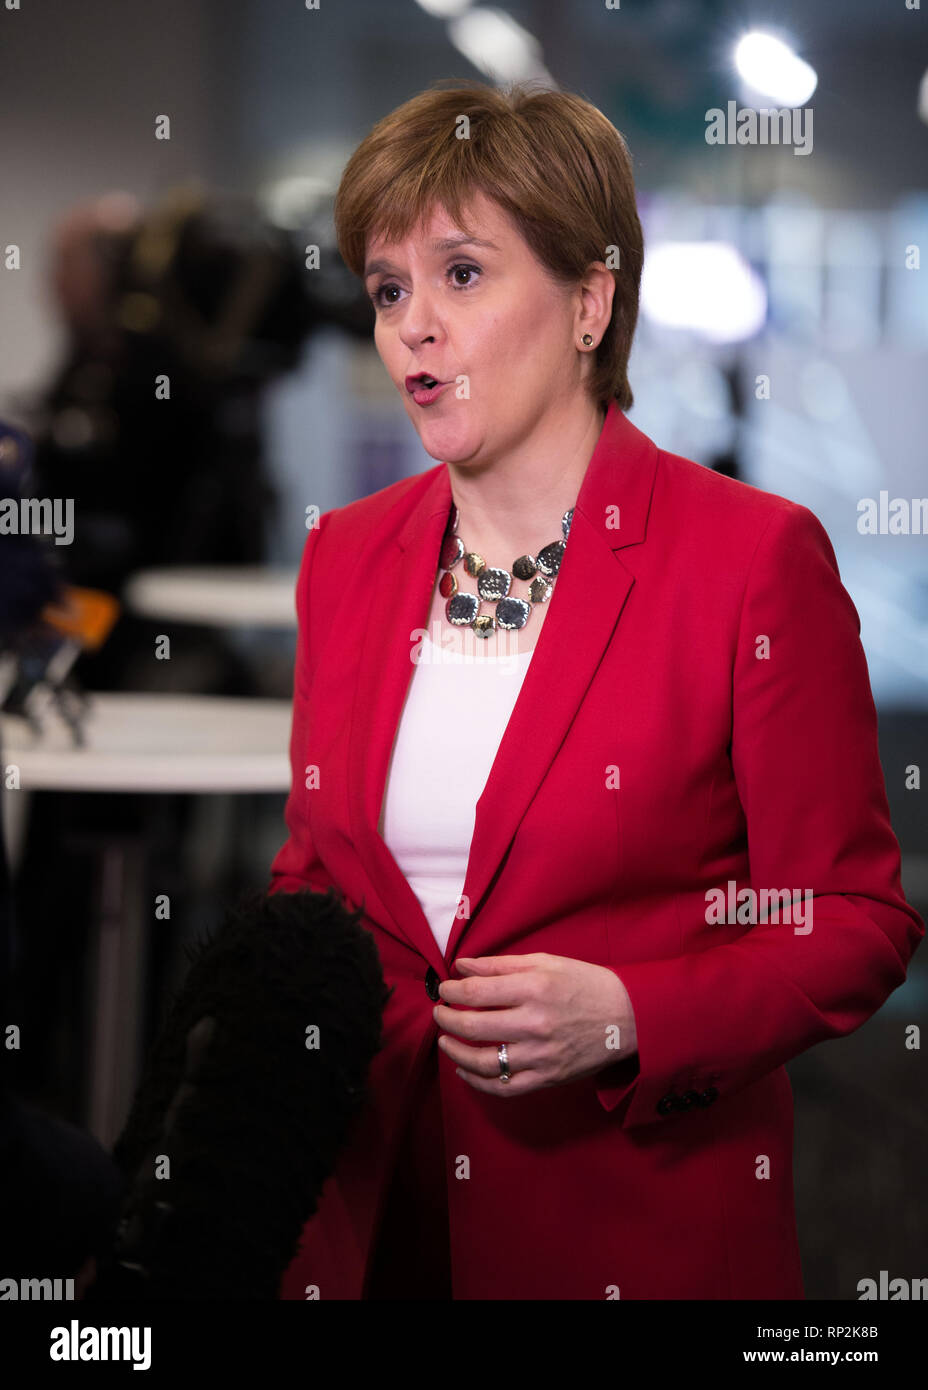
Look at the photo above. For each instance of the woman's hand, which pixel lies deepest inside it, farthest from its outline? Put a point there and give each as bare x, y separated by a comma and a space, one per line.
561, 1019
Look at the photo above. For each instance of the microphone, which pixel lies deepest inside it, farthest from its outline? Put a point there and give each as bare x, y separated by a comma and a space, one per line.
245, 1101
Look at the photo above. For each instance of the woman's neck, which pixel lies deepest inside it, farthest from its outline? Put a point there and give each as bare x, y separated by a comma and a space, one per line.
518, 503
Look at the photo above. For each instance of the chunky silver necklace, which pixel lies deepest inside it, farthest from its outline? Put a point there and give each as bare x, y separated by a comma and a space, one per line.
493, 584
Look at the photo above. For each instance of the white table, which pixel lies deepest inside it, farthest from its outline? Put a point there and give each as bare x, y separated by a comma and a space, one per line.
139, 743
233, 596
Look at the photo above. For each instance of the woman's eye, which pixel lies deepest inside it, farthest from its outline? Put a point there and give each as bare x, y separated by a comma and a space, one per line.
471, 270
377, 295
379, 301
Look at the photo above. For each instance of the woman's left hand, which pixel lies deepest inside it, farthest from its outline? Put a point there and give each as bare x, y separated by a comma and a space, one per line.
561, 1019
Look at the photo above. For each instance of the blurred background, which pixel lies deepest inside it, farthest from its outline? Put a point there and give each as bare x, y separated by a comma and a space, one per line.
166, 171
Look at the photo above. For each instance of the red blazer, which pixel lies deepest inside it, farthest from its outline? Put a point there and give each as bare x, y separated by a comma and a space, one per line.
738, 760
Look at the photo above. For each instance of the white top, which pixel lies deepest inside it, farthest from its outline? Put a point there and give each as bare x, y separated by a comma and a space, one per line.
454, 718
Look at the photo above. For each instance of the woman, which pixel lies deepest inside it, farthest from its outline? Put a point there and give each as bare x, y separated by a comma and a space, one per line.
620, 872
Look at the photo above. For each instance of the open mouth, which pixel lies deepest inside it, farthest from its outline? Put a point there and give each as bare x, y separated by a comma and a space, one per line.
422, 381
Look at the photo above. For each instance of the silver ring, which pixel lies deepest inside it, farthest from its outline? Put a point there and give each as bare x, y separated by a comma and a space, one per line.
504, 1072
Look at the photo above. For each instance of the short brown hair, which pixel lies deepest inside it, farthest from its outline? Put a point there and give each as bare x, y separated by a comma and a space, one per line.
550, 159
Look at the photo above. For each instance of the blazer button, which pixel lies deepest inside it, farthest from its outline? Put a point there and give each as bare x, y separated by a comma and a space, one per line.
690, 1098
666, 1105
709, 1095
432, 981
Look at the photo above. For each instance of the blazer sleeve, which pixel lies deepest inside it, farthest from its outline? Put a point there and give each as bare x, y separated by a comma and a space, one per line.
805, 758
297, 866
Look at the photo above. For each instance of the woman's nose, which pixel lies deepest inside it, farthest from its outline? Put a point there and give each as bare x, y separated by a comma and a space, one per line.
420, 320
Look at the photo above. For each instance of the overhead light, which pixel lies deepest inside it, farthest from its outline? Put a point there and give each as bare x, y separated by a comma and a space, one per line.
771, 68
443, 9
498, 46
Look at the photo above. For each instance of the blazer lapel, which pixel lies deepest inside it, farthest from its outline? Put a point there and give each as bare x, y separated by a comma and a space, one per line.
589, 595
402, 598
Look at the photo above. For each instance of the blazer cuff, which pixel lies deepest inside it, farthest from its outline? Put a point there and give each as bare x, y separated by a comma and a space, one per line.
650, 1086
616, 1082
